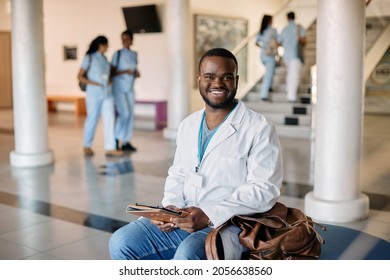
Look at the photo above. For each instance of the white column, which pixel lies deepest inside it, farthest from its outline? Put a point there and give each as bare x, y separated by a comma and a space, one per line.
28, 80
340, 54
35, 180
179, 60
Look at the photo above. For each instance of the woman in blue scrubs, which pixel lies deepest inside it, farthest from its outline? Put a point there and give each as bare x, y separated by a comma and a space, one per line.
99, 99
263, 38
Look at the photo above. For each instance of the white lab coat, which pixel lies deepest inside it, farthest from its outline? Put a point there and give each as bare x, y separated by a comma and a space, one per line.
242, 167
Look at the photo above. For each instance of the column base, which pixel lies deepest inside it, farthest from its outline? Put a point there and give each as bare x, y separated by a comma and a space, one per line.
170, 133
31, 160
336, 211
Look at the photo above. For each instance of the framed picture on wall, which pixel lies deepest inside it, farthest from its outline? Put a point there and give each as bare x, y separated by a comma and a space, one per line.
70, 53
220, 32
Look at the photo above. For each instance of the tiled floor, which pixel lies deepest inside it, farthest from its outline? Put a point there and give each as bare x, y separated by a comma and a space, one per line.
69, 209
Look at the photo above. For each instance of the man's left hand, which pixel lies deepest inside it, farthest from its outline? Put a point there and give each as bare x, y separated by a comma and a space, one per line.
195, 221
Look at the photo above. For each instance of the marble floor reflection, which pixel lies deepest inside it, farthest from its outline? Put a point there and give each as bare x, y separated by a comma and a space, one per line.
68, 210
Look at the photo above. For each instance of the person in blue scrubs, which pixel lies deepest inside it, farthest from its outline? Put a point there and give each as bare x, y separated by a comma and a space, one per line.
263, 37
291, 35
99, 99
124, 68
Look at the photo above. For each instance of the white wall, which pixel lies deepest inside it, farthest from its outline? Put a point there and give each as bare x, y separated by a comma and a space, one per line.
77, 22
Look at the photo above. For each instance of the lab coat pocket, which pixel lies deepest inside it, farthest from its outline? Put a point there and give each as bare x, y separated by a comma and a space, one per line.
235, 169
190, 193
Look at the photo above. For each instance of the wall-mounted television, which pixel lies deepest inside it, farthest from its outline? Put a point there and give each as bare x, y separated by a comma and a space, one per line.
142, 19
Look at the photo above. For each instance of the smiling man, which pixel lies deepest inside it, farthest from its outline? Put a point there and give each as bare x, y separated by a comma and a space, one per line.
228, 161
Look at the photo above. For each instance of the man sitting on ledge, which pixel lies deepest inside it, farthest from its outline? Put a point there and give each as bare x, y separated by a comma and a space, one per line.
228, 161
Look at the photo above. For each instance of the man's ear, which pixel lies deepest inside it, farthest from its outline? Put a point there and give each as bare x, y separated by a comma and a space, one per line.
198, 78
237, 78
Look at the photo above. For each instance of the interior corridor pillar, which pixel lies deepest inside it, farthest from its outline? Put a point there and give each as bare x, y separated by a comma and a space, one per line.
28, 82
340, 55
179, 59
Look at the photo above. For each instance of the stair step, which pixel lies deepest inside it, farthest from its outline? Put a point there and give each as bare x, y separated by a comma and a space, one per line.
285, 108
280, 97
303, 88
379, 104
296, 132
290, 120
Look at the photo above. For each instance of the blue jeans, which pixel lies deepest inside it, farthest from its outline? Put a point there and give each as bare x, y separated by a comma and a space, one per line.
141, 240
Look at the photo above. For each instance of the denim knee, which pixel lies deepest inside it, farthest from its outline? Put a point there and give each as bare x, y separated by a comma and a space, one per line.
143, 240
193, 247
116, 244
124, 242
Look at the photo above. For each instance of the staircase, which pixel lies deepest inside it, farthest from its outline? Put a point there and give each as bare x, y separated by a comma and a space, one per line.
377, 98
374, 28
292, 120
295, 120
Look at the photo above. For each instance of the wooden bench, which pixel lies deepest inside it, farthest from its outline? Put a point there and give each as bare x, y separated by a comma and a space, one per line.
77, 100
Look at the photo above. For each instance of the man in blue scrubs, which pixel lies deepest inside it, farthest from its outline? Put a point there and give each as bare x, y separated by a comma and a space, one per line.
124, 69
291, 35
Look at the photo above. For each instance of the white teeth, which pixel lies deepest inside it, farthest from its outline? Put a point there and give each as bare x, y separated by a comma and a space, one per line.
219, 92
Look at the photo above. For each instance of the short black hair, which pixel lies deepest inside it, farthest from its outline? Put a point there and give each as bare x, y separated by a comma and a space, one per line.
221, 52
291, 15
128, 33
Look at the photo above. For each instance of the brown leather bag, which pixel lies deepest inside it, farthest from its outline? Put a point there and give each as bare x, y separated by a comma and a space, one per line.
282, 233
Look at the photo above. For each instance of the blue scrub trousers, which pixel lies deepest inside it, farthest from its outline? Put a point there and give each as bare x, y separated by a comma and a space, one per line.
124, 103
100, 105
269, 63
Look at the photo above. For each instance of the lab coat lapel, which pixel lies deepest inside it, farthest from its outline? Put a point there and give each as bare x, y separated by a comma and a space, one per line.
224, 132
226, 129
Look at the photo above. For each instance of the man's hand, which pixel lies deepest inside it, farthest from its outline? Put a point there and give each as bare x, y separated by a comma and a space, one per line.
166, 227
195, 221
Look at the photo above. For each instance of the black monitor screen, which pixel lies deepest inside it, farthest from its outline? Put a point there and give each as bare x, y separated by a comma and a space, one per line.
142, 19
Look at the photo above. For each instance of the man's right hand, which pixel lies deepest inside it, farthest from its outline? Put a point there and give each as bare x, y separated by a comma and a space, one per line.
166, 227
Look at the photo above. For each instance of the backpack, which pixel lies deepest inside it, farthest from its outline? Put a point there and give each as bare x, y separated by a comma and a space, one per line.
272, 46
83, 86
282, 233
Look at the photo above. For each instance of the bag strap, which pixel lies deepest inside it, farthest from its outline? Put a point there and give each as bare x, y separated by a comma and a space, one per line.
299, 38
211, 241
213, 244
117, 59
90, 62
